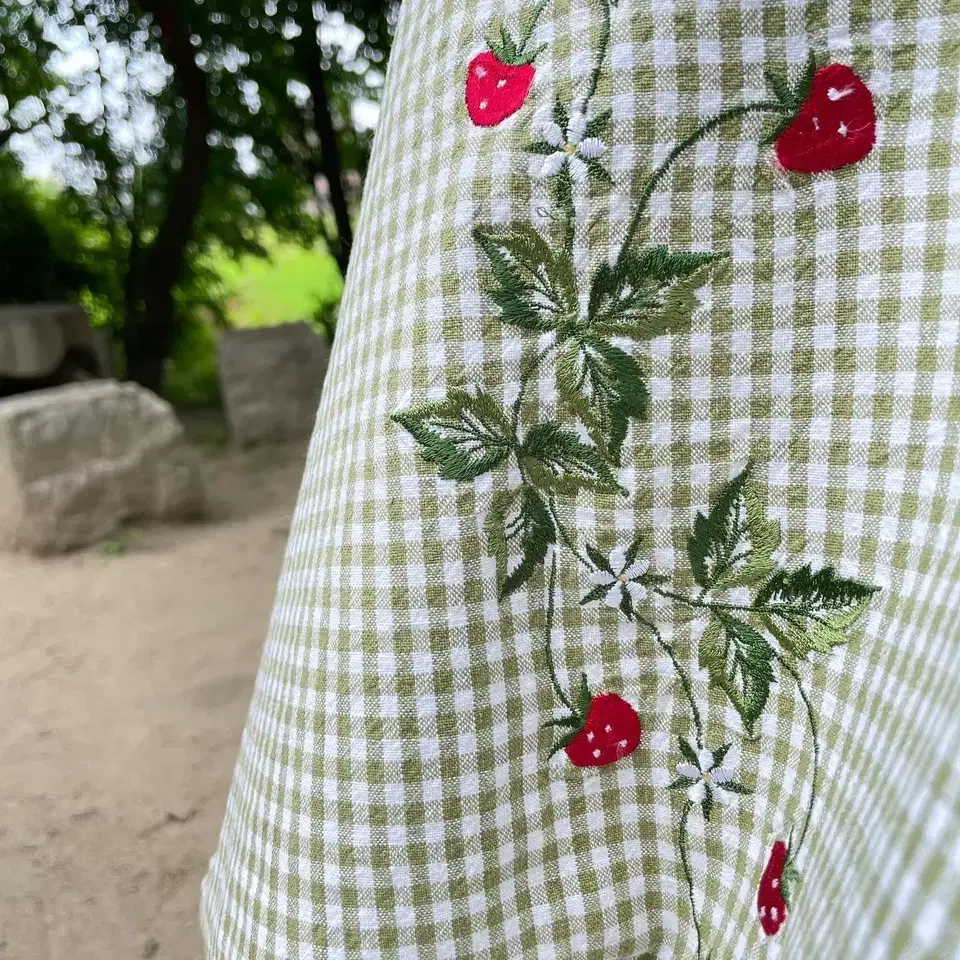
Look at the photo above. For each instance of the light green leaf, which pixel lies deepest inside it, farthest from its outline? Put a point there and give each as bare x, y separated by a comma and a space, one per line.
811, 611
740, 662
520, 529
648, 294
534, 285
557, 459
465, 434
602, 385
732, 546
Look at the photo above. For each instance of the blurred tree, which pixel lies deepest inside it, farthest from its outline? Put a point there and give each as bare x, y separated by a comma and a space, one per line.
179, 126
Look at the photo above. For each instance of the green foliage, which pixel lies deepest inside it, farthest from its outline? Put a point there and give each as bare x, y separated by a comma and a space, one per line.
465, 434
534, 286
519, 525
645, 295
603, 386
556, 459
733, 544
740, 662
810, 611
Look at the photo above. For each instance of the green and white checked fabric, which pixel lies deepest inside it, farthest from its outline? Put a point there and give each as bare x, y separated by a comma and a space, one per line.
393, 796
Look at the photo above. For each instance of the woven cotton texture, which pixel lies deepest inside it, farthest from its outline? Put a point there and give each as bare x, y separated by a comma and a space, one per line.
393, 797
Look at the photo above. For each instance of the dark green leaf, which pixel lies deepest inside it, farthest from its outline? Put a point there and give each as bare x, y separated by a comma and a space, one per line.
778, 128
812, 611
789, 881
534, 285
626, 603
540, 147
733, 545
599, 560
597, 593
781, 88
689, 754
631, 552
519, 526
720, 753
585, 697
604, 386
557, 459
648, 294
597, 170
560, 116
563, 722
599, 125
681, 783
707, 805
564, 742
805, 83
465, 434
733, 787
740, 662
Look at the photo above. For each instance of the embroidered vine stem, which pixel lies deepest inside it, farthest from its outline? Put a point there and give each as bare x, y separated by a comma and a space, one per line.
735, 607
687, 807
548, 640
601, 54
814, 735
525, 377
532, 24
761, 106
682, 674
568, 540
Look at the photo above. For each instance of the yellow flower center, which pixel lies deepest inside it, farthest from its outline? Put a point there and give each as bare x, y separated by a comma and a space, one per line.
623, 579
570, 148
706, 775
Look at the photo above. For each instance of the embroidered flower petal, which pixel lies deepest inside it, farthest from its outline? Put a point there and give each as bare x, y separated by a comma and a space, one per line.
636, 569
554, 135
618, 560
553, 164
603, 577
637, 591
721, 775
614, 596
578, 169
592, 148
576, 128
697, 792
706, 759
688, 770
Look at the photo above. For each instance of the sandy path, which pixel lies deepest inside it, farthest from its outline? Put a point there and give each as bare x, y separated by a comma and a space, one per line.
124, 683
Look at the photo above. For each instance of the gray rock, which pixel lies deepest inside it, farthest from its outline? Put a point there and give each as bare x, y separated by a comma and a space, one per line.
78, 461
271, 380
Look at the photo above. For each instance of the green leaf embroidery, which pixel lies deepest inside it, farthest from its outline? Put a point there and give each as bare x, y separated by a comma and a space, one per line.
599, 125
465, 434
648, 294
733, 545
603, 385
689, 754
557, 459
782, 89
740, 662
519, 525
535, 287
811, 611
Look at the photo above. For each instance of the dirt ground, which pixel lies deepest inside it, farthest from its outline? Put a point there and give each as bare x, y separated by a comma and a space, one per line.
125, 675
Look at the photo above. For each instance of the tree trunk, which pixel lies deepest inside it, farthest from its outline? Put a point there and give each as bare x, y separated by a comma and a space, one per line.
149, 334
329, 150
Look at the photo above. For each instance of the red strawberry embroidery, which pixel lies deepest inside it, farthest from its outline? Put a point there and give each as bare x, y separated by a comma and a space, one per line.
610, 733
834, 125
495, 90
771, 904
605, 729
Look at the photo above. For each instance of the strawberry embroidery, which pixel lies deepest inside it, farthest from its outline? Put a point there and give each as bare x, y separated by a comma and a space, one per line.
605, 729
773, 894
832, 124
495, 89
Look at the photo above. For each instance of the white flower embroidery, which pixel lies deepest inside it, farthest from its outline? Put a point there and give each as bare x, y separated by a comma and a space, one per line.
622, 578
706, 775
572, 146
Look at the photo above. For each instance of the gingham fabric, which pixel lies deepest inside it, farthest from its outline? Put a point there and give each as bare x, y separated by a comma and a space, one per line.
392, 797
